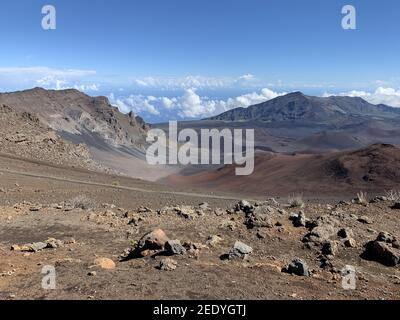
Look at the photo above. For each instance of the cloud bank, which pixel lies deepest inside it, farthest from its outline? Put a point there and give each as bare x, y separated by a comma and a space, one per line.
189, 104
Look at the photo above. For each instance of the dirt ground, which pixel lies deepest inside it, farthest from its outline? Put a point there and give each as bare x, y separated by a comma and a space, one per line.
35, 205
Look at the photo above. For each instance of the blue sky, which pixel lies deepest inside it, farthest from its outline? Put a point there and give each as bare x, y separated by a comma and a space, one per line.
192, 58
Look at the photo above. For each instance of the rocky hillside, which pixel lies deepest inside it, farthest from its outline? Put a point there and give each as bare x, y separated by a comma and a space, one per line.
299, 107
23, 135
73, 112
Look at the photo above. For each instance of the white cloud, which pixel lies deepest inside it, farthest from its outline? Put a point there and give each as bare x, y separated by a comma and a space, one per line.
46, 72
49, 78
388, 96
189, 104
191, 81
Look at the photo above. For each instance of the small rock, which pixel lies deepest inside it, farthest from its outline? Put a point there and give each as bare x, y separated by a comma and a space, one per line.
213, 240
298, 267
92, 273
204, 206
330, 248
240, 250
350, 243
345, 233
365, 220
174, 247
168, 264
104, 263
396, 206
54, 243
382, 252
300, 220
244, 206
219, 212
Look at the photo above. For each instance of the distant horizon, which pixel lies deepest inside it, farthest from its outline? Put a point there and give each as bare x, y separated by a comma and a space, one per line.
202, 59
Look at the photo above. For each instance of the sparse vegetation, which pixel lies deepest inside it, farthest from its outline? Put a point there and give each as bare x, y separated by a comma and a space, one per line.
82, 202
393, 195
362, 198
296, 201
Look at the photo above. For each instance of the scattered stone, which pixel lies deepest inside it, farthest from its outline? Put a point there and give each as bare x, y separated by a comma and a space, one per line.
260, 217
153, 241
396, 206
204, 206
92, 273
3, 190
213, 240
240, 250
299, 220
365, 220
54, 243
228, 224
168, 264
350, 243
35, 208
219, 212
261, 234
386, 237
298, 267
320, 233
186, 212
104, 263
244, 206
345, 233
174, 247
330, 248
30, 247
144, 210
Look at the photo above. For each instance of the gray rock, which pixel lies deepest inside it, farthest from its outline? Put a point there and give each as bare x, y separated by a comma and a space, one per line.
345, 233
240, 250
365, 220
330, 248
260, 217
382, 252
299, 267
168, 264
174, 247
244, 206
300, 220
396, 206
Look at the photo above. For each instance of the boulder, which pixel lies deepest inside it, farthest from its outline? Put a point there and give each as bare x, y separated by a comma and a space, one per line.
383, 250
298, 267
174, 247
330, 248
299, 220
154, 240
240, 250
260, 217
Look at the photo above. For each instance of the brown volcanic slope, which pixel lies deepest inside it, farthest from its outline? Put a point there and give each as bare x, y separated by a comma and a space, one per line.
76, 113
115, 140
372, 169
23, 135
